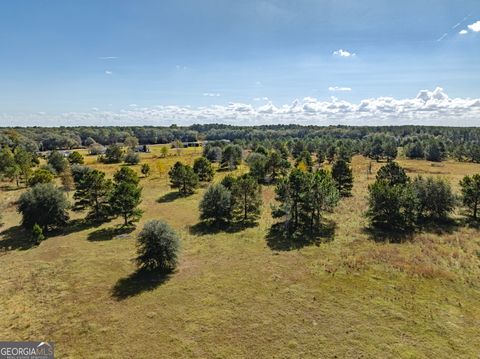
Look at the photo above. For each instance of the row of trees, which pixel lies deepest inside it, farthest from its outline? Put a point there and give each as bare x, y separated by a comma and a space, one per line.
398, 203
235, 199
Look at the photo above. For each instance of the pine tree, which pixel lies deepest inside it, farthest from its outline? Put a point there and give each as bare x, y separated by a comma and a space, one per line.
93, 192
342, 174
184, 178
126, 195
203, 169
246, 198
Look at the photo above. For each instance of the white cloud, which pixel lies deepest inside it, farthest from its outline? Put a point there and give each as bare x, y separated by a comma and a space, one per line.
211, 94
463, 32
339, 89
427, 108
108, 58
475, 26
108, 72
343, 53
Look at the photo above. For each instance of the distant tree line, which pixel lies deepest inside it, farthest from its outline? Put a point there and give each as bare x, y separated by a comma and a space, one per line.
378, 142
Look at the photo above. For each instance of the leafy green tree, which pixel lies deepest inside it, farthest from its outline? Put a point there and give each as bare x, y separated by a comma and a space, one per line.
297, 148
321, 195
203, 169
231, 157
433, 151
183, 177
126, 195
391, 207
113, 154
390, 149
320, 156
126, 174
290, 192
216, 204
164, 151
258, 166
24, 163
145, 169
6, 159
303, 197
414, 150
213, 153
131, 142
45, 205
57, 161
343, 177
158, 246
261, 150
40, 176
9, 168
94, 193
305, 158
228, 181
470, 187
131, 158
75, 158
331, 152
96, 149
393, 174
276, 165
434, 197
246, 198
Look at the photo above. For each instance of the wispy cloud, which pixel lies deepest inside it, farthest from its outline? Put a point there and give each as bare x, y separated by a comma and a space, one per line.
108, 58
339, 89
343, 53
442, 37
463, 32
211, 94
108, 72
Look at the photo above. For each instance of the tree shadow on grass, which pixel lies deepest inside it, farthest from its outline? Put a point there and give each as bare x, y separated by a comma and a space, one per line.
385, 235
205, 227
279, 238
106, 234
139, 282
15, 238
438, 227
72, 226
169, 197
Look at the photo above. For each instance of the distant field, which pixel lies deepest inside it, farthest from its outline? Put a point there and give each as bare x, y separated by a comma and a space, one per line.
244, 294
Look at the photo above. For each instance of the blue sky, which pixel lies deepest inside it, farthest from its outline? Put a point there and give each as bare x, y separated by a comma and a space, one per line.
159, 62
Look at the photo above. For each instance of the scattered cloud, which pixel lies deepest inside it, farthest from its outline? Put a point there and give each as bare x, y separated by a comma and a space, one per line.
475, 27
108, 58
181, 68
343, 53
427, 108
261, 99
108, 72
211, 94
463, 32
339, 89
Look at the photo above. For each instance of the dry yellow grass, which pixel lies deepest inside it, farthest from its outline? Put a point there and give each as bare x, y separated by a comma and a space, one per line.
233, 296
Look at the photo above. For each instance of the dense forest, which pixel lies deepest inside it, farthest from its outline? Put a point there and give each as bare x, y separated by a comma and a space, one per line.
431, 143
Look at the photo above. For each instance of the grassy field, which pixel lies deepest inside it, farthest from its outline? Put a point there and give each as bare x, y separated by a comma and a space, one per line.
245, 294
